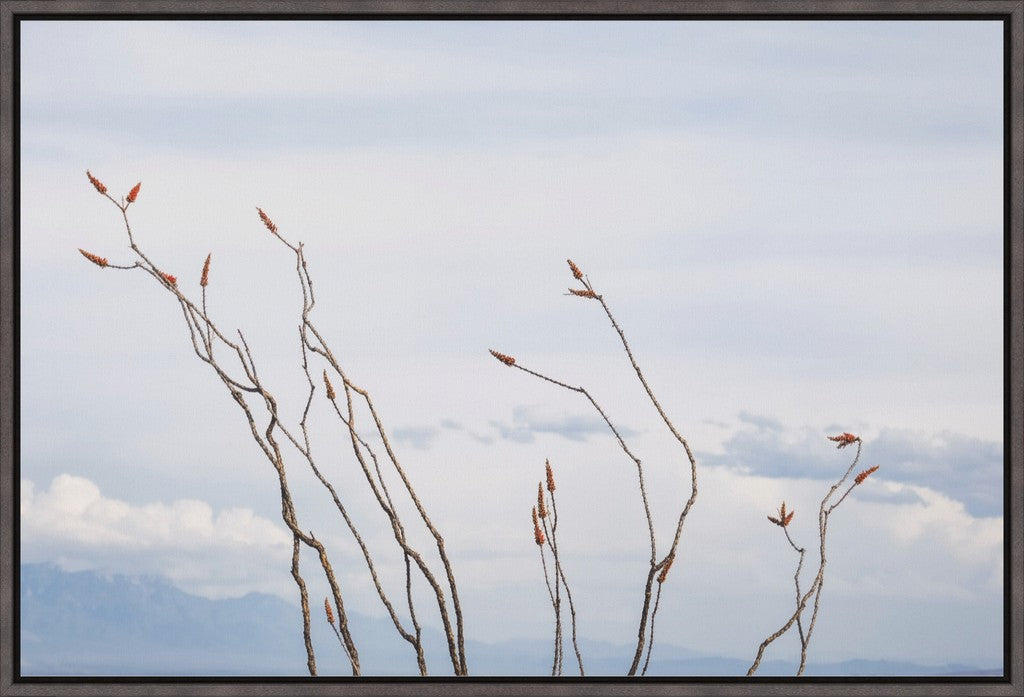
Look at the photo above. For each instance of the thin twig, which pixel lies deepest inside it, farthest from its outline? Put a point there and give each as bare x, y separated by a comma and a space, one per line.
655, 565
819, 578
650, 645
561, 574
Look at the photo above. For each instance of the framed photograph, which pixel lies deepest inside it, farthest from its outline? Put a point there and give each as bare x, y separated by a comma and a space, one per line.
514, 347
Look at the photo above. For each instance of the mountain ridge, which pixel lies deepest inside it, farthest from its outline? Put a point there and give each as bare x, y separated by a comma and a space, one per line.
87, 624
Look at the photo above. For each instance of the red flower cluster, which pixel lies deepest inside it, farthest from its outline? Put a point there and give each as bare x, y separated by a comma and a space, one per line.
538, 534
98, 260
844, 439
267, 221
96, 182
171, 279
134, 193
859, 479
783, 519
507, 360
576, 273
551, 475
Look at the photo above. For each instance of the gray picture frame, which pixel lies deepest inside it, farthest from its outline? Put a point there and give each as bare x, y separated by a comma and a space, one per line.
1009, 11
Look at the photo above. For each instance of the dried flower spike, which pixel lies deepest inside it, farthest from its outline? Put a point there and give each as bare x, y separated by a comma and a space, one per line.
542, 510
134, 193
328, 610
507, 360
267, 221
170, 279
538, 534
864, 475
551, 475
664, 570
844, 439
576, 273
330, 387
96, 182
98, 260
205, 278
583, 293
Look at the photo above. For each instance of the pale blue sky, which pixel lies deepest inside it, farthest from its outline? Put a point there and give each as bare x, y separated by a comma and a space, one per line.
798, 224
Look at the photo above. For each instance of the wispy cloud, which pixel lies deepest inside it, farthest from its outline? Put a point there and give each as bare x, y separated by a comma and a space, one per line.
760, 421
418, 437
964, 468
528, 421
453, 425
380, 80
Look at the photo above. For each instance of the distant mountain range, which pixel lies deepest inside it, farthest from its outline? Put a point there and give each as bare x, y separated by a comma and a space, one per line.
87, 624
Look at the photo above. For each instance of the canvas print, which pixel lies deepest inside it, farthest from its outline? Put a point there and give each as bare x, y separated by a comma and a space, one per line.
511, 348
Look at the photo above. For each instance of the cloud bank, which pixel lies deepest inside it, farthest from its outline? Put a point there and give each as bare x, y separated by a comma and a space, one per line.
220, 554
964, 468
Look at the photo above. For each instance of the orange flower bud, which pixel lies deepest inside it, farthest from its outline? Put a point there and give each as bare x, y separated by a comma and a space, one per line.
859, 479
134, 193
542, 510
576, 273
170, 279
96, 182
551, 475
98, 260
507, 360
583, 293
267, 221
206, 271
328, 610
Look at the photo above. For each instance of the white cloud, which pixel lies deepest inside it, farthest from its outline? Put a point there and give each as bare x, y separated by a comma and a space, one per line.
924, 550
938, 527
220, 554
883, 560
928, 549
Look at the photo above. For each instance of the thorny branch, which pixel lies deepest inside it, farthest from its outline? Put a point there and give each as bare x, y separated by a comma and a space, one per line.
547, 532
644, 634
824, 511
204, 336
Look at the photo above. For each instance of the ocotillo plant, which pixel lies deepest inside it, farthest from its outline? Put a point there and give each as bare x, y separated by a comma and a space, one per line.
783, 520
547, 533
657, 564
235, 366
282, 442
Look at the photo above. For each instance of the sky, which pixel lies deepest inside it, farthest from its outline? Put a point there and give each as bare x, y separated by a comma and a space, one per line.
798, 226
